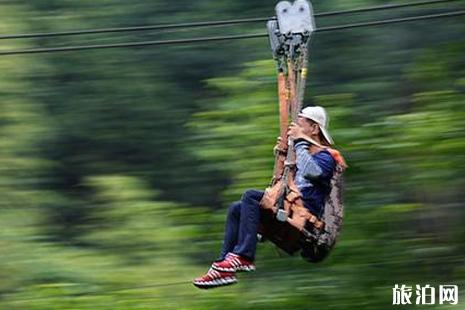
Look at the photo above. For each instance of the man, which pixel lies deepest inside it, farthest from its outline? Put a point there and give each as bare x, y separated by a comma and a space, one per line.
315, 166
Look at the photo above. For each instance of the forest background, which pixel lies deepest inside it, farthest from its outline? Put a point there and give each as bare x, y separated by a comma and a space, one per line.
118, 165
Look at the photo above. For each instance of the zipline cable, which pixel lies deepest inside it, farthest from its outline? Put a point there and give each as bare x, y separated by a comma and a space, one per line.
221, 38
391, 21
212, 23
381, 8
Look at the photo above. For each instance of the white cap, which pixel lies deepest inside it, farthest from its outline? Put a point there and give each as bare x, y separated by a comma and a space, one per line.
318, 115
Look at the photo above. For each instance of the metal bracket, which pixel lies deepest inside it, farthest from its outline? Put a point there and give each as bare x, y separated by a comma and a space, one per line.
276, 39
281, 215
295, 18
292, 28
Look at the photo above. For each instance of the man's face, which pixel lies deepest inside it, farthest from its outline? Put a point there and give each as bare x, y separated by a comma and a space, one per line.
310, 128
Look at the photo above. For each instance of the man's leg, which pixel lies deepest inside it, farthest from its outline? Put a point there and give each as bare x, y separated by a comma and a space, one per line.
231, 229
248, 227
241, 235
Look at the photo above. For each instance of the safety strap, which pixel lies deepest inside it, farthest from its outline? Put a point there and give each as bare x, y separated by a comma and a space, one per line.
295, 86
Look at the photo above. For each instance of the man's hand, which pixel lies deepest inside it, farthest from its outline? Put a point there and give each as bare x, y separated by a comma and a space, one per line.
295, 132
280, 147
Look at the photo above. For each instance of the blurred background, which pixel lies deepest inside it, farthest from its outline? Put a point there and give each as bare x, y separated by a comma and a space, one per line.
118, 165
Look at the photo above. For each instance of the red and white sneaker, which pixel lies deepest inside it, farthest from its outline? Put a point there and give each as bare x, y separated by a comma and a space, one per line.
214, 278
233, 263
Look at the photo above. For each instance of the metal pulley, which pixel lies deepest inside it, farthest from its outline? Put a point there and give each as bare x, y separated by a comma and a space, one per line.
291, 29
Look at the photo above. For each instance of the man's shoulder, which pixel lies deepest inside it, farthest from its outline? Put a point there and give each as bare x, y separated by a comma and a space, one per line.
324, 155
325, 158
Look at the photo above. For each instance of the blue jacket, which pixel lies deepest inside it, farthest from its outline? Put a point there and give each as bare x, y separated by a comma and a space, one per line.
313, 176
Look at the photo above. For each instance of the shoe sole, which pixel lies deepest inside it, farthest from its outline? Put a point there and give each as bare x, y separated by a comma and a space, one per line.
215, 283
243, 268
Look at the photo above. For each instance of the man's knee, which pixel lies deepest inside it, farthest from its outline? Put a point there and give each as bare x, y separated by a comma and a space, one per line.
253, 195
234, 209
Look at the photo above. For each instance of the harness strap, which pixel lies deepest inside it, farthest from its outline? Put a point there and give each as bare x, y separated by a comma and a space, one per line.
294, 104
280, 156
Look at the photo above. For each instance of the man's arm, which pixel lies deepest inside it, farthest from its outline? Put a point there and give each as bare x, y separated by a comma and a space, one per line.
305, 161
320, 165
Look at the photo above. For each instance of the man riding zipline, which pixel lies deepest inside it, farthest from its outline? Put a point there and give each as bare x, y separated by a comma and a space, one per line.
314, 169
302, 209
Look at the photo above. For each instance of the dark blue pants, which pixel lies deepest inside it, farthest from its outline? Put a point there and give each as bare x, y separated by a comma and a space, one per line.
240, 235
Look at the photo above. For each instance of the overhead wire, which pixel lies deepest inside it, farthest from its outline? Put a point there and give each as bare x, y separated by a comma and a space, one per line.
382, 7
391, 21
223, 38
211, 23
